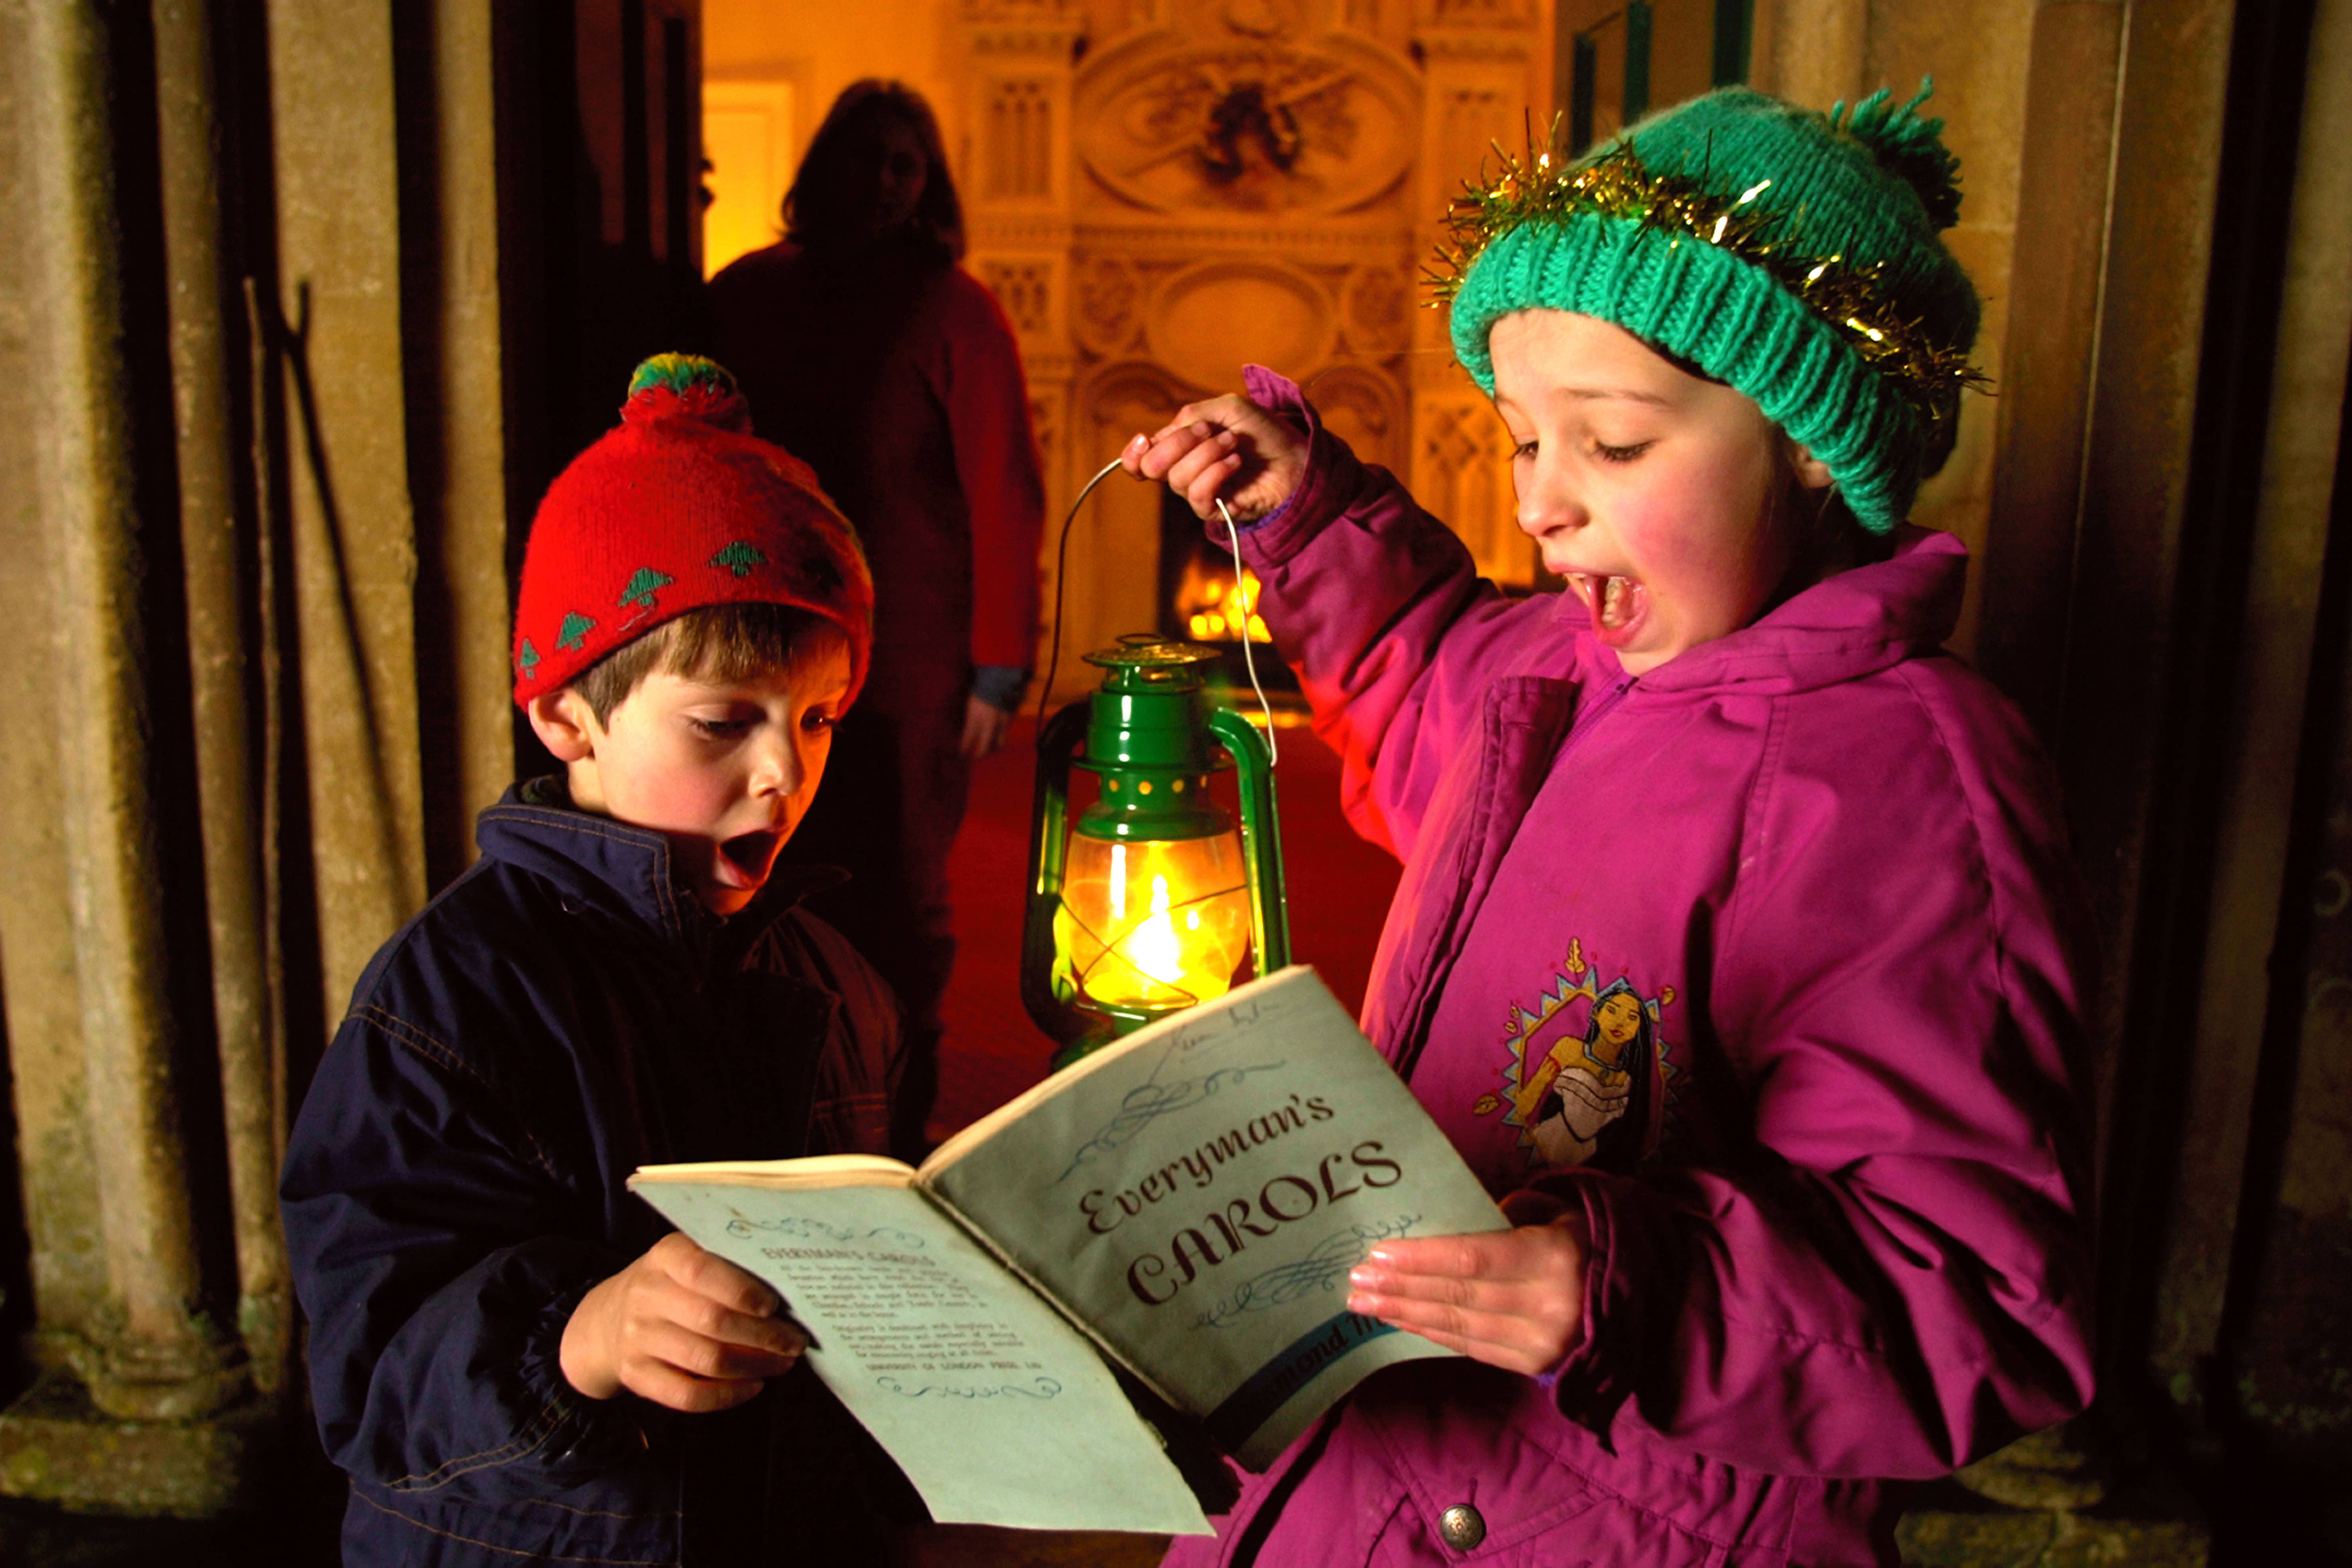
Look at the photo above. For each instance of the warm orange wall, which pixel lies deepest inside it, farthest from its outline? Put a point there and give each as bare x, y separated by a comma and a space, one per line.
823, 46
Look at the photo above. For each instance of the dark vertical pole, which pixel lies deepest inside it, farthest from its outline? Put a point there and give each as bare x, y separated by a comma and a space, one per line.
1563, 65
1580, 95
636, 141
678, 142
1637, 61
1735, 33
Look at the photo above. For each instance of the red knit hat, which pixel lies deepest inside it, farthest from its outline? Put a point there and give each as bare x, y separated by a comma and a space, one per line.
678, 507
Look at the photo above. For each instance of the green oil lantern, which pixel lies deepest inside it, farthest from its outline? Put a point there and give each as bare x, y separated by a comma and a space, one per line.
1148, 902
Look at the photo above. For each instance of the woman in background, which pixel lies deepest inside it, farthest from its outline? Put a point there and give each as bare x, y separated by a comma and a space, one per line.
866, 351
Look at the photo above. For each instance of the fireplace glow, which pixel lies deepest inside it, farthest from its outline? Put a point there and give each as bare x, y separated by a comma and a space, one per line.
1215, 608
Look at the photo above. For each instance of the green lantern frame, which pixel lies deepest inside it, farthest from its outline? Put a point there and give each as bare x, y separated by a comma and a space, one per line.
1152, 734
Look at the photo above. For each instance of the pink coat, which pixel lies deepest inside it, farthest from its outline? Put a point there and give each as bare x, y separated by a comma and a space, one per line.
1772, 957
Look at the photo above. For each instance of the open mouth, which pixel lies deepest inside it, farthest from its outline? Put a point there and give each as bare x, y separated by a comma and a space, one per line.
749, 853
1617, 604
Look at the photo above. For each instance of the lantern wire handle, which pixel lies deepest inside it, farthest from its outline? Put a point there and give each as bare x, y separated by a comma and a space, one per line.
1249, 613
1061, 576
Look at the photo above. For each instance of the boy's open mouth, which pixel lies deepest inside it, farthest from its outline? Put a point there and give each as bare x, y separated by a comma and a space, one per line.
750, 852
1616, 602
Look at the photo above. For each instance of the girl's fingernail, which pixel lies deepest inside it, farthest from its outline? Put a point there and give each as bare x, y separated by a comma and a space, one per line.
1139, 441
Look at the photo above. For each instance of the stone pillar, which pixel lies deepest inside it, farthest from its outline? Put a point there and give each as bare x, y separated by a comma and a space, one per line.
470, 498
132, 1415
354, 536
248, 1017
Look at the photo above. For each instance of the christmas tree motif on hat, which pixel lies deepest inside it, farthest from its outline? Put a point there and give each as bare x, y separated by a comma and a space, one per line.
575, 631
528, 661
739, 558
642, 587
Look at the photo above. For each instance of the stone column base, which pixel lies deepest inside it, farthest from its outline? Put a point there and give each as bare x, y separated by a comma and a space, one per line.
2055, 1539
56, 1447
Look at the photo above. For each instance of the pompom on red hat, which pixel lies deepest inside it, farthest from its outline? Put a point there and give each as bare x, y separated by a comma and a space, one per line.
679, 508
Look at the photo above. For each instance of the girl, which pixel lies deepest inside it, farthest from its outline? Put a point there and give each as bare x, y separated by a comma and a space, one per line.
1730, 776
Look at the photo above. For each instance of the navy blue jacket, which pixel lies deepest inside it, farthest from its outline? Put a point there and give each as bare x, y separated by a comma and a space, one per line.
563, 1014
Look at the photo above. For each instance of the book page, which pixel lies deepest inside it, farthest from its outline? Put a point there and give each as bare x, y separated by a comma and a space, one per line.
1197, 1193
997, 1410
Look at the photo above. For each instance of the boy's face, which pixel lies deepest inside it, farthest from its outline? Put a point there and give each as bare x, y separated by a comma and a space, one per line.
724, 768
1654, 492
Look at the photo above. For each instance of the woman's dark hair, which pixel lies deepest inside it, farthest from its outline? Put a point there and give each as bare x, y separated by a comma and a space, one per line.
821, 210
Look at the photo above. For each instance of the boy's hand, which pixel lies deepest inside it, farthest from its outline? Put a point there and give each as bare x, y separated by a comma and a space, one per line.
1225, 446
1512, 1298
680, 1326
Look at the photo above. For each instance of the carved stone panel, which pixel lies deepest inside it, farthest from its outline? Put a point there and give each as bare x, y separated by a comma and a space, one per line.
1169, 124
1024, 286
1017, 131
1208, 319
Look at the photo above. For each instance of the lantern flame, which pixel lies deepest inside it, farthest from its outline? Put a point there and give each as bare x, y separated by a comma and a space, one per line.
1154, 923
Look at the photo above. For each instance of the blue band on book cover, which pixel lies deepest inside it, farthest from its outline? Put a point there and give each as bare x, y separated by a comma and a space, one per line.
1246, 1408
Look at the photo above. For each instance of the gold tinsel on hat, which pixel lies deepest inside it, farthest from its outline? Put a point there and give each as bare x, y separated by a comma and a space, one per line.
1853, 300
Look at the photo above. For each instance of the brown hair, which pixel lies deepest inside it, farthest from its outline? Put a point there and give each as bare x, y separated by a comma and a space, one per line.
718, 642
819, 210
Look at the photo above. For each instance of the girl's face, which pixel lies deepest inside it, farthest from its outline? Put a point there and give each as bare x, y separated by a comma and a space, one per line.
1619, 1017
1656, 493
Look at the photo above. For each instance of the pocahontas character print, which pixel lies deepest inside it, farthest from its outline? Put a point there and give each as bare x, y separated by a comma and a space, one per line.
1586, 1079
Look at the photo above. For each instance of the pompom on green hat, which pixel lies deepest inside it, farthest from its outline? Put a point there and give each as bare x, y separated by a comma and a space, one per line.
1793, 254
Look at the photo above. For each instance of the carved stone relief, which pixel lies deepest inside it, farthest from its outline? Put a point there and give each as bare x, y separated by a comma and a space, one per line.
1376, 307
1251, 123
1109, 318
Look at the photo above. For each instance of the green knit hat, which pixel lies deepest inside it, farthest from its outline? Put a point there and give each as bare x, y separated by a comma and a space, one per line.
1793, 254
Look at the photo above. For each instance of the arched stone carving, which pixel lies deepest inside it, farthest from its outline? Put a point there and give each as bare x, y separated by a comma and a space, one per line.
1360, 406
1459, 474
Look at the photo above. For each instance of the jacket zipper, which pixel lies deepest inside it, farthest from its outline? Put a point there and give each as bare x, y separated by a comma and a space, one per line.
1583, 723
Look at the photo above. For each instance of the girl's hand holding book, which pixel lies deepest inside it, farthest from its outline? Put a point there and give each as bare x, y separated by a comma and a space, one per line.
1512, 1299
1228, 446
681, 1327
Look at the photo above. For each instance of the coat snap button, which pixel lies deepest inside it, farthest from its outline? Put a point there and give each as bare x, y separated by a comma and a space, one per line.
1462, 1527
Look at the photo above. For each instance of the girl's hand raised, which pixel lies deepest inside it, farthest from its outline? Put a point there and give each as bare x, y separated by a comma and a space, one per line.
1228, 446
1512, 1298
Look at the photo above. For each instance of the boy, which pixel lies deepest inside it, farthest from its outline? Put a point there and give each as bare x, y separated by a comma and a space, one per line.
509, 1356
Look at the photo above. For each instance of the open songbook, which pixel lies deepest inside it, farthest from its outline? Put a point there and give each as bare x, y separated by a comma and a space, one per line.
1184, 1205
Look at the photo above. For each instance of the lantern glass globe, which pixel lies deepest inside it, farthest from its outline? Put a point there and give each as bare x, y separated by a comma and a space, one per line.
1154, 923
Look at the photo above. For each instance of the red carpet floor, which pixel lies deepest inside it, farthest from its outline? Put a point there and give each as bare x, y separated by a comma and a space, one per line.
1339, 890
